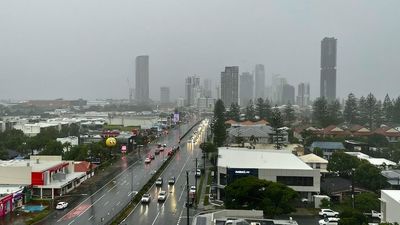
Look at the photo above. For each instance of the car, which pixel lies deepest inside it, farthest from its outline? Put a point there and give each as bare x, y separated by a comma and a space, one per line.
158, 145
147, 160
375, 214
170, 153
328, 213
329, 221
162, 195
159, 181
171, 180
165, 145
146, 198
151, 156
192, 189
62, 205
161, 149
198, 173
157, 151
304, 200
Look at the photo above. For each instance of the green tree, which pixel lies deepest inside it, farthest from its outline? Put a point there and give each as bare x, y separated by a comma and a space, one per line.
318, 152
387, 109
369, 176
334, 113
371, 110
276, 124
320, 112
367, 201
396, 111
219, 128
351, 216
252, 193
234, 112
350, 112
250, 111
363, 110
342, 163
52, 147
288, 113
3, 154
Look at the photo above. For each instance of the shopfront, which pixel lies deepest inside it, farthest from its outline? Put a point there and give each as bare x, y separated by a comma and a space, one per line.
6, 204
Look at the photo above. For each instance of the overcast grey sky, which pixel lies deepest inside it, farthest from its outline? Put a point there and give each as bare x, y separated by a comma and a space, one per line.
86, 48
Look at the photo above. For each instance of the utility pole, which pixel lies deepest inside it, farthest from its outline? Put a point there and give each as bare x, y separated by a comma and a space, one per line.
187, 199
352, 187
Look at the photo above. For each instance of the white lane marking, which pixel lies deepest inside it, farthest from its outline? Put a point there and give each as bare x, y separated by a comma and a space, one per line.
99, 189
155, 219
71, 222
106, 203
179, 219
112, 188
118, 203
90, 217
117, 193
130, 193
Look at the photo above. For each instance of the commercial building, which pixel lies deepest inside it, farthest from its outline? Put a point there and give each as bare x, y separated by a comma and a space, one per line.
260, 81
192, 90
207, 89
206, 104
164, 95
390, 205
288, 94
230, 85
246, 88
49, 176
328, 69
272, 165
142, 79
303, 94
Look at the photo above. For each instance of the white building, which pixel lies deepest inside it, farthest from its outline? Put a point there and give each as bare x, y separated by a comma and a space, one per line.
272, 165
315, 162
378, 162
72, 140
390, 206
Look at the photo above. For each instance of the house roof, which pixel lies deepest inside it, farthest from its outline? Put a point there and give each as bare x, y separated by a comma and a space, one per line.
327, 145
312, 158
259, 159
257, 131
373, 161
387, 131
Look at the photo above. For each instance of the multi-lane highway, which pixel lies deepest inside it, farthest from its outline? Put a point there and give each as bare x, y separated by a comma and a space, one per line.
172, 211
101, 205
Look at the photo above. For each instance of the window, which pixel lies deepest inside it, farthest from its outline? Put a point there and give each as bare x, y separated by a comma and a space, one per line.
295, 181
317, 166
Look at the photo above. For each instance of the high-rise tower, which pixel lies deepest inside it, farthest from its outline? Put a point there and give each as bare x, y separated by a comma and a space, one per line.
328, 69
142, 79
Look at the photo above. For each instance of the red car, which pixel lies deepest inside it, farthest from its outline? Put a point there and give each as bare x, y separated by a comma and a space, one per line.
170, 153
151, 156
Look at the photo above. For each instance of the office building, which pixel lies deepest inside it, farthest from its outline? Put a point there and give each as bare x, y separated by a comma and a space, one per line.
328, 69
192, 90
207, 93
272, 165
246, 88
230, 85
164, 95
288, 94
303, 94
142, 79
259, 81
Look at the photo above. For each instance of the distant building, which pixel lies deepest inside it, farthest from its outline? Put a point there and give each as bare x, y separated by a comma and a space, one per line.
142, 78
328, 69
303, 94
230, 85
287, 94
192, 90
180, 102
164, 95
259, 81
327, 148
246, 88
207, 93
206, 104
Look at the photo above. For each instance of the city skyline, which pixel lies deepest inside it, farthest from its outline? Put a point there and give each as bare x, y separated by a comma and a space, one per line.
76, 46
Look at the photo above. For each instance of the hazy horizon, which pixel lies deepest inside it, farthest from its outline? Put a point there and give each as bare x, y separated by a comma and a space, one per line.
86, 49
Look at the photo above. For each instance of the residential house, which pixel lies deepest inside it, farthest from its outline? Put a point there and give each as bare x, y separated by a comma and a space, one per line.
327, 147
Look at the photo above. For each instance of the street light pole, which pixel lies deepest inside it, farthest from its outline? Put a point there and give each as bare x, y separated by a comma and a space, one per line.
187, 199
352, 187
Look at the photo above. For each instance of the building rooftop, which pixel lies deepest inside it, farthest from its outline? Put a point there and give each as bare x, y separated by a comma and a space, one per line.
259, 158
327, 145
373, 161
312, 158
36, 167
393, 194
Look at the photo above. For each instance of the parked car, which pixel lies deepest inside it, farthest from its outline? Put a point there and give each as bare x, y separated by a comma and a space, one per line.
376, 214
192, 189
328, 213
329, 221
62, 205
146, 198
159, 181
171, 180
170, 153
165, 145
162, 195
151, 156
147, 160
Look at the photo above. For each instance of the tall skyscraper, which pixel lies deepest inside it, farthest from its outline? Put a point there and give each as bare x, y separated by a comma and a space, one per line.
246, 88
164, 95
303, 94
328, 69
230, 85
207, 88
259, 81
142, 78
287, 94
192, 90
